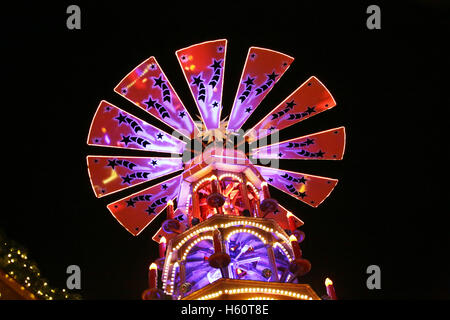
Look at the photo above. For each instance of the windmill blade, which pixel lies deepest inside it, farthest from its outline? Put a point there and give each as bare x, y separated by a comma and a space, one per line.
203, 67
113, 127
308, 188
324, 145
263, 68
311, 98
109, 174
280, 216
136, 211
148, 87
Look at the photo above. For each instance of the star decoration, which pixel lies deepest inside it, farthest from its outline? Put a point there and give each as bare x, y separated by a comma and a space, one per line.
248, 110
130, 203
302, 180
290, 104
150, 103
216, 65
249, 81
126, 140
121, 118
310, 110
159, 136
112, 163
158, 81
154, 162
197, 80
320, 154
272, 76
182, 114
126, 179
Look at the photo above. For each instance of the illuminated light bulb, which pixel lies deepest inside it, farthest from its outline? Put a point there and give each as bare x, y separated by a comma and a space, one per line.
330, 289
153, 276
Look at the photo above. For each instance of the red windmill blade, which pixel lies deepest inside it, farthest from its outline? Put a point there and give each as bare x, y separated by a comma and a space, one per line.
148, 87
136, 211
324, 145
203, 66
263, 68
310, 189
311, 98
109, 174
113, 127
280, 216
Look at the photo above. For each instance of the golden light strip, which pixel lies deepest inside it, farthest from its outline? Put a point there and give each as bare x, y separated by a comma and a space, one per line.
199, 183
255, 191
256, 290
247, 231
166, 270
188, 249
230, 175
277, 244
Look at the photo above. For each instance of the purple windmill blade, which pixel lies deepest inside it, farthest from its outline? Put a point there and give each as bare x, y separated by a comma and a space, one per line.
324, 145
109, 174
113, 127
310, 189
148, 87
203, 67
263, 68
136, 211
311, 98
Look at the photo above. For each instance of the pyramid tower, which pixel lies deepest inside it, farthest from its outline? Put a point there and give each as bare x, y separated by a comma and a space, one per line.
224, 236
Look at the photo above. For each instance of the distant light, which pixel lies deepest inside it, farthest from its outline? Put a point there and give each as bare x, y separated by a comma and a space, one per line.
292, 238
328, 282
163, 240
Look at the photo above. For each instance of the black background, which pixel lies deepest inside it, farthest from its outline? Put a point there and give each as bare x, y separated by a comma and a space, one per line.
388, 208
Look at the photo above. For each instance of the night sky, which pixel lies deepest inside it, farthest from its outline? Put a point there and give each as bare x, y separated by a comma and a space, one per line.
387, 209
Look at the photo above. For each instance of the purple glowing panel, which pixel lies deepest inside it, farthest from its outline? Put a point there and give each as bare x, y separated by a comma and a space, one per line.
198, 271
311, 98
113, 127
203, 66
308, 188
109, 174
249, 258
324, 145
148, 87
136, 211
263, 68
